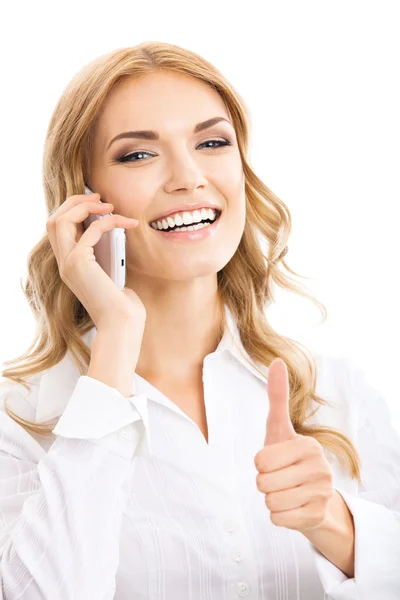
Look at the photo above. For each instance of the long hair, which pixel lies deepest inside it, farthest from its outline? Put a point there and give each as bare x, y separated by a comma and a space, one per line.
245, 284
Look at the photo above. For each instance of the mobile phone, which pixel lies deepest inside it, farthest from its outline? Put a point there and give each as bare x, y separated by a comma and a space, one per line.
110, 250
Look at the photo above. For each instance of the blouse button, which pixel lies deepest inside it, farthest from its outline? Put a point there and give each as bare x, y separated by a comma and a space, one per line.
243, 589
125, 435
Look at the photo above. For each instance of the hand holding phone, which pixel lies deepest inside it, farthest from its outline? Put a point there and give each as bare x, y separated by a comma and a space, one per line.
73, 248
110, 249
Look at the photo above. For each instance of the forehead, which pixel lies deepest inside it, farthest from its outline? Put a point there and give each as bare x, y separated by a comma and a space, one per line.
163, 101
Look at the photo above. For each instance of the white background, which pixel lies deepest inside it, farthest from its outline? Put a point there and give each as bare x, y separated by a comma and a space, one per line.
321, 81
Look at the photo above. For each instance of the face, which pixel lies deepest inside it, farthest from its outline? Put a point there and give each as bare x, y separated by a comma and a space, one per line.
147, 178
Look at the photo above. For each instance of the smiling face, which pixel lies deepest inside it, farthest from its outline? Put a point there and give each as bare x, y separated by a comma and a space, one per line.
146, 178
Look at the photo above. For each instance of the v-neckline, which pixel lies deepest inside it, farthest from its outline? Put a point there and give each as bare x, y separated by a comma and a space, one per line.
155, 394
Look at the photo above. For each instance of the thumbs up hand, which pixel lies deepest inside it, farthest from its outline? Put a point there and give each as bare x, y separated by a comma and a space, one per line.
294, 474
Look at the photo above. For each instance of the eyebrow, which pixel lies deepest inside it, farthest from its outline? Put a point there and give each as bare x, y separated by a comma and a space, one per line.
148, 134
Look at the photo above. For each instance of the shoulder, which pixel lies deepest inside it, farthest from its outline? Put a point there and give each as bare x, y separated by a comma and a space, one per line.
20, 400
340, 381
345, 374
330, 364
335, 371
348, 385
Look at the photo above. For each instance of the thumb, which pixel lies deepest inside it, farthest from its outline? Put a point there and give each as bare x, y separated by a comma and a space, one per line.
279, 425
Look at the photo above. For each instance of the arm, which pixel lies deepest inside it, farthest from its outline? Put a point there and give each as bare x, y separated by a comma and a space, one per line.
61, 512
375, 507
335, 538
114, 355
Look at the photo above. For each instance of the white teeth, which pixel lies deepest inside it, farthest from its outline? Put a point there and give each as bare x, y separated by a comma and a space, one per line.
194, 227
196, 216
185, 218
178, 219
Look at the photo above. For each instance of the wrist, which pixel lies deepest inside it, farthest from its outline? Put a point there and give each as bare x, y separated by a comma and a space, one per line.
114, 355
114, 325
335, 538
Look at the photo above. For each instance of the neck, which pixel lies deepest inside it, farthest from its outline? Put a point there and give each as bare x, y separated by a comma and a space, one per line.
182, 328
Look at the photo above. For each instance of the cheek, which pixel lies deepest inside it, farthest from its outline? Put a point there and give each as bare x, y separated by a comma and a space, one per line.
232, 194
131, 194
134, 206
232, 226
236, 203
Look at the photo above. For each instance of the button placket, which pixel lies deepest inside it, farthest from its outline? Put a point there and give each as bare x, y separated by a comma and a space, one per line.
232, 529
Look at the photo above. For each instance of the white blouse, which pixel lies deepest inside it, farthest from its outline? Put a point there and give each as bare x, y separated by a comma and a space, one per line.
128, 501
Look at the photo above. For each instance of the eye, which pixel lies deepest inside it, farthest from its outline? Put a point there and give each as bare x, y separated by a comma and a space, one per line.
122, 159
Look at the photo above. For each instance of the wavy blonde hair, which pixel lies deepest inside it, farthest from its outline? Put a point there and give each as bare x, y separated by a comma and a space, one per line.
244, 284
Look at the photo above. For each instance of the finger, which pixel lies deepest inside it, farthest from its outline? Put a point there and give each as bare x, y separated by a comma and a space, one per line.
284, 477
75, 200
94, 232
279, 425
69, 203
66, 226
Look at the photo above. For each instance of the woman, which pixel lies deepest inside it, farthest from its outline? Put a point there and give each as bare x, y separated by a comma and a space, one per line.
190, 450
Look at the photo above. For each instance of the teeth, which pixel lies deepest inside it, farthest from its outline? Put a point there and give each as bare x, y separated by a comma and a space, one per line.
185, 218
194, 227
178, 219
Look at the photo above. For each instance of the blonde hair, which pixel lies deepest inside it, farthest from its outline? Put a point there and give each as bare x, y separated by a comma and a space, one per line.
244, 284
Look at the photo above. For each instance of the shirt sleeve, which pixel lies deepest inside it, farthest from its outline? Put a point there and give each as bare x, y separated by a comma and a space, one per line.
375, 508
99, 413
61, 510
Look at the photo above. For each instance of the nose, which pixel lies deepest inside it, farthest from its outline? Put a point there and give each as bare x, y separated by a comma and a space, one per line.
186, 175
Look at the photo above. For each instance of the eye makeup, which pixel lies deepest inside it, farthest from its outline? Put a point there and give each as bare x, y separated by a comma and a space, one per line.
127, 158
